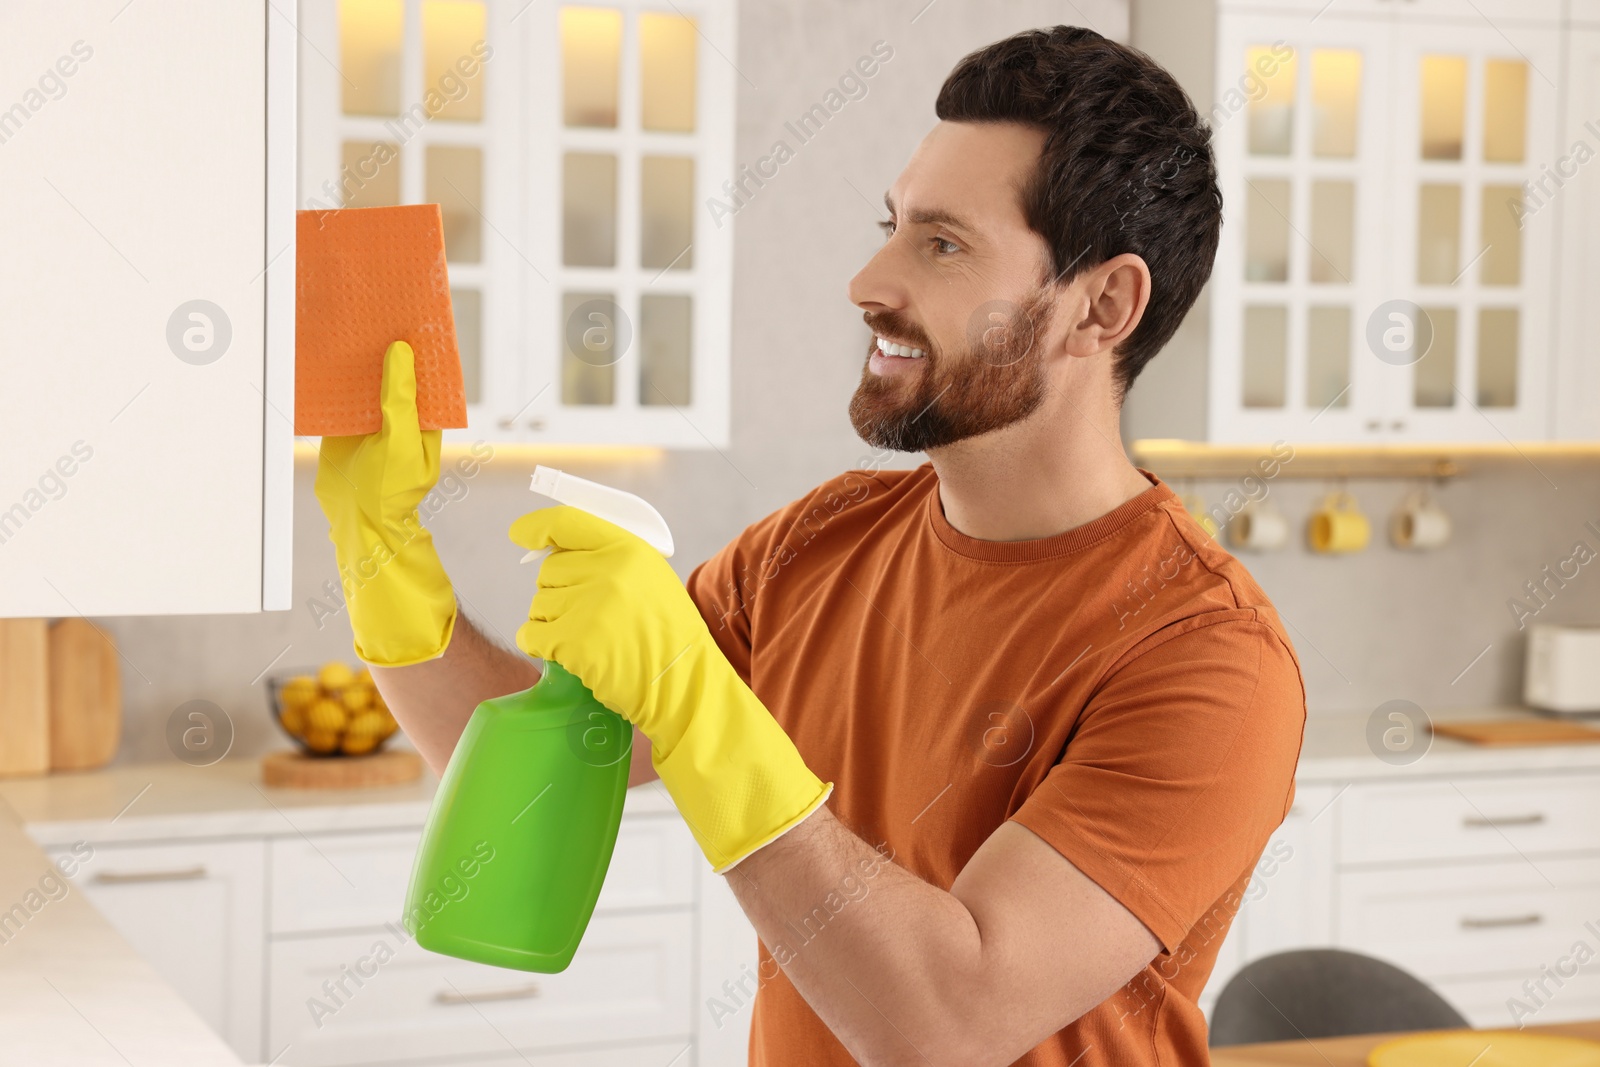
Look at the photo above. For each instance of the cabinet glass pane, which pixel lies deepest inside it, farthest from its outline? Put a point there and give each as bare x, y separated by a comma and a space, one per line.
664, 348
452, 74
1333, 226
371, 175
666, 218
1505, 110
454, 181
371, 35
1272, 112
666, 72
591, 59
588, 348
1266, 348
1328, 357
1266, 237
589, 209
1335, 101
467, 306
1444, 106
1502, 237
1438, 233
1497, 357
1434, 382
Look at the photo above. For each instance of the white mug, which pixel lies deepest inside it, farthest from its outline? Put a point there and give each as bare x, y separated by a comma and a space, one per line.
1259, 528
1419, 524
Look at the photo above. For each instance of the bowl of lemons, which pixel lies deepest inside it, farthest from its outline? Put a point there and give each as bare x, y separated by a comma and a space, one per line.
334, 710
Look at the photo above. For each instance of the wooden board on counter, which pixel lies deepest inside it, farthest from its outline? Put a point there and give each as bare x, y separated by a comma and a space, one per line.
85, 697
24, 697
1518, 732
296, 770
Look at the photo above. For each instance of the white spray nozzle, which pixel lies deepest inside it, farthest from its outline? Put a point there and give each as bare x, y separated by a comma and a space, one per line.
616, 506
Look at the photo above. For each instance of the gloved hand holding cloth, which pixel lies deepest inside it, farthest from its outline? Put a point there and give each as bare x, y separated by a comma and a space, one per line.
402, 607
610, 610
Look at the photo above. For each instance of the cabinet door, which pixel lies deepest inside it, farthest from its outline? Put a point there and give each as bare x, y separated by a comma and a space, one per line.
1470, 293
1300, 140
148, 311
195, 913
1571, 189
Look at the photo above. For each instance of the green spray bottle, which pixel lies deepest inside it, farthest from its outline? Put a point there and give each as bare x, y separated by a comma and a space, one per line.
521, 830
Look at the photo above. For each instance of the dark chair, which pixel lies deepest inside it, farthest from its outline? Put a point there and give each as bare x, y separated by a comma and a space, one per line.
1324, 992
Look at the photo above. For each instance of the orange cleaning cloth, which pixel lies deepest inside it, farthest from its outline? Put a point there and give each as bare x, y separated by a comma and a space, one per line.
366, 277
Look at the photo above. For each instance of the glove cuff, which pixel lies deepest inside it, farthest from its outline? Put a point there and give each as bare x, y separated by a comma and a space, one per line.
402, 608
737, 779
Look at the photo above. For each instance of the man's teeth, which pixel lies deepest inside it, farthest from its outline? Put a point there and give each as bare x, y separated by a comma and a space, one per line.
889, 348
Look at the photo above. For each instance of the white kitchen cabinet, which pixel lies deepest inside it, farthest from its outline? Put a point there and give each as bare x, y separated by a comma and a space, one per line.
577, 152
1379, 277
1571, 188
194, 911
630, 981
1288, 903
147, 168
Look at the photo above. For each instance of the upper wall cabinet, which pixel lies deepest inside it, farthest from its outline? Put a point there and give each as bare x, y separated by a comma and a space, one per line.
147, 173
1383, 273
579, 154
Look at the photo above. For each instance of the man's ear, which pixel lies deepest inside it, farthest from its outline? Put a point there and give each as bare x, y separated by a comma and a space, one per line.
1111, 301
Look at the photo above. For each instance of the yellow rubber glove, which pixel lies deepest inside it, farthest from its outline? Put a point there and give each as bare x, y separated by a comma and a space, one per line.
611, 611
402, 609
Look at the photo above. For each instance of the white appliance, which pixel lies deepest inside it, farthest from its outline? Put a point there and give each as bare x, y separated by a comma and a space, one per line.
1562, 672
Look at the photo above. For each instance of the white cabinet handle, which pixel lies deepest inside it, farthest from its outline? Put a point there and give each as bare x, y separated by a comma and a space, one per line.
184, 874
1476, 822
1531, 919
521, 992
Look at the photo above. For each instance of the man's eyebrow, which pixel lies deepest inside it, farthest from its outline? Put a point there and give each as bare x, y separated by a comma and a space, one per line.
934, 217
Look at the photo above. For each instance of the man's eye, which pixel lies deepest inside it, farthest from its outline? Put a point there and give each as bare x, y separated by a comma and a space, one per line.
937, 241
887, 227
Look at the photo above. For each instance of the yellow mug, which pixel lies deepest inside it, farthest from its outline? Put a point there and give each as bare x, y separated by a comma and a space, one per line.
1338, 526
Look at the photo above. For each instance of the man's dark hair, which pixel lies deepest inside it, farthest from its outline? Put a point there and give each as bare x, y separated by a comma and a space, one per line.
1126, 165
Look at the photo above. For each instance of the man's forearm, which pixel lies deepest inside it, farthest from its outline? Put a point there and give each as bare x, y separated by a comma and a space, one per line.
432, 701
889, 962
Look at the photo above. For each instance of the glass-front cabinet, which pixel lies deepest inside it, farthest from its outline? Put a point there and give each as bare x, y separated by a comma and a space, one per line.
1382, 275
573, 150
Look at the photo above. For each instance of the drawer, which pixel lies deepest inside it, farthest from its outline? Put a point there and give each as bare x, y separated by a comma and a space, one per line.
330, 882
1469, 818
1489, 1002
377, 997
1479, 919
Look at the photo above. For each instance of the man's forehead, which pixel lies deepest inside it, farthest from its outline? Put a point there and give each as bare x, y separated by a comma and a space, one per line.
966, 175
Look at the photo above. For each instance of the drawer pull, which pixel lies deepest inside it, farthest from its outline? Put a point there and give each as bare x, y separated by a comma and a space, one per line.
182, 874
1477, 822
521, 992
1531, 919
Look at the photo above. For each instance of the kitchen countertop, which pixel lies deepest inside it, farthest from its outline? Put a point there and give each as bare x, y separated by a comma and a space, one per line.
75, 993
71, 990
1336, 750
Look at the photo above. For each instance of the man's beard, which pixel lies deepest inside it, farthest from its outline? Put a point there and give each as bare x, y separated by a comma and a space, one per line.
999, 380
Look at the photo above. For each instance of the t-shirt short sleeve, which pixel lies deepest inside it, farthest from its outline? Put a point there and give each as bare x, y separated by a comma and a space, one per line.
1179, 770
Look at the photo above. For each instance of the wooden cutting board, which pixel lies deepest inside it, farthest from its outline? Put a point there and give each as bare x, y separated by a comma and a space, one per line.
1518, 732
85, 696
24, 697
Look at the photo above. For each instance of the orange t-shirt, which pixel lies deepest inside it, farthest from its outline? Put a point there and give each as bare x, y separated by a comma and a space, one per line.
1123, 689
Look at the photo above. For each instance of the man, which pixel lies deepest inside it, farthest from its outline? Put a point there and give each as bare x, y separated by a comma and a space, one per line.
988, 749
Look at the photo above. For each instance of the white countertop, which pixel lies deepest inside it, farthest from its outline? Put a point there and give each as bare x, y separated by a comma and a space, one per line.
1336, 750
72, 992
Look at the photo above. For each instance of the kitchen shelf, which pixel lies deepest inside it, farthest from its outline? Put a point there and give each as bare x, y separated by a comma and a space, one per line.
1171, 458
